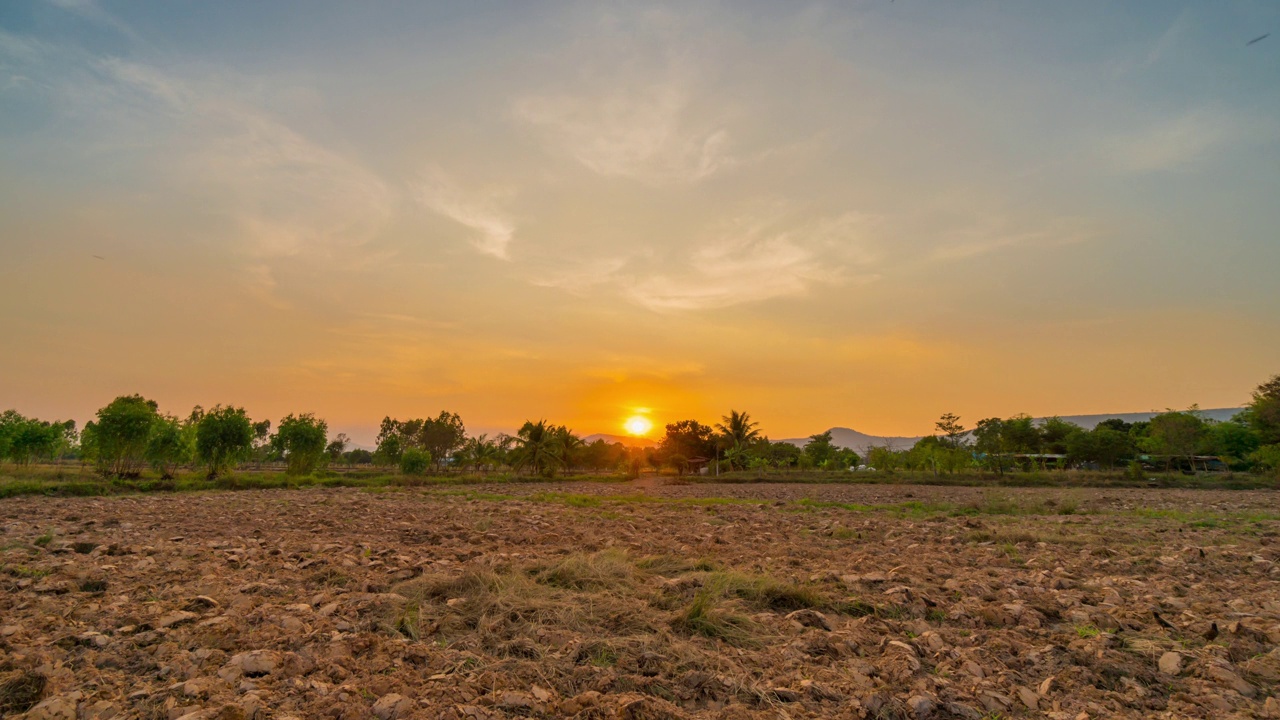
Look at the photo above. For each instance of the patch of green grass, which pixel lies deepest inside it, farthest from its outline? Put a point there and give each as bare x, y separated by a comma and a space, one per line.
44, 540
1087, 631
22, 571
670, 565
605, 570
704, 617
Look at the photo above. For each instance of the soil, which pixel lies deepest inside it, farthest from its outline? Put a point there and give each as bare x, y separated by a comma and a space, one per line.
624, 601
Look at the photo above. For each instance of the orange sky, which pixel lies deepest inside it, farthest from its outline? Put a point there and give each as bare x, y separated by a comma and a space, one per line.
860, 217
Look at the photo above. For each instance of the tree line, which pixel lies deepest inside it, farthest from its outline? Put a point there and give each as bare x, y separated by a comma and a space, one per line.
131, 434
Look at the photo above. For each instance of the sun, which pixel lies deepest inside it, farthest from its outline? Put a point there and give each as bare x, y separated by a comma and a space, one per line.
638, 425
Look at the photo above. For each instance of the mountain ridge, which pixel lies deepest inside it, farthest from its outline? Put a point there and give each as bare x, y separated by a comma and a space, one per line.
859, 441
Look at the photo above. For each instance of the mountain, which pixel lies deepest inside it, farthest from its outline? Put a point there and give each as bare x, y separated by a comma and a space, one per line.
859, 442
627, 440
1089, 422
854, 440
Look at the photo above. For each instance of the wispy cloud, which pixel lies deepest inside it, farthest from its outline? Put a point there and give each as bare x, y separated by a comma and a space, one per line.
494, 231
756, 261
1176, 142
576, 275
1001, 234
288, 194
637, 132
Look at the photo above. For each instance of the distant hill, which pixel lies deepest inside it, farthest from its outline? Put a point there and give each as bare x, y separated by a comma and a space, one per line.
627, 440
854, 440
1089, 422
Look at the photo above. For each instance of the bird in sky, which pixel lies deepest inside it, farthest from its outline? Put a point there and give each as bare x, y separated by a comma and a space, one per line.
1258, 39
99, 257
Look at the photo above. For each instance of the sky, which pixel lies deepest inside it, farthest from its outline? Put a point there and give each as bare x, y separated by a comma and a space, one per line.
859, 214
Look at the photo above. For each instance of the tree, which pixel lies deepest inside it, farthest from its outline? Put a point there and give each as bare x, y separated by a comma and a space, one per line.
537, 448
819, 450
884, 458
481, 453
337, 447
441, 436
990, 443
739, 428
24, 439
1231, 441
302, 441
1020, 435
683, 440
951, 429
358, 456
1263, 413
1054, 433
117, 442
167, 447
224, 435
738, 431
1175, 434
389, 450
1104, 446
929, 453
570, 446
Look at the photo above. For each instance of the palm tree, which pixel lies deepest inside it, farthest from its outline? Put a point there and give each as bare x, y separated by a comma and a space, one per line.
570, 445
738, 431
538, 447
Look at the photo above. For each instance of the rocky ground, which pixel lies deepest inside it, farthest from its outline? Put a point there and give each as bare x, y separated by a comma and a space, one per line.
618, 601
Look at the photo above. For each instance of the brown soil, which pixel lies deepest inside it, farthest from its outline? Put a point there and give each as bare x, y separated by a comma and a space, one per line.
616, 601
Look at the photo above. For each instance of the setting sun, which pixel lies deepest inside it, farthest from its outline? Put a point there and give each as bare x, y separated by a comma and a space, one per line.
638, 425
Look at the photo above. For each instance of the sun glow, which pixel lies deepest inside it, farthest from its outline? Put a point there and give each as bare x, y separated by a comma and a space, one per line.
638, 425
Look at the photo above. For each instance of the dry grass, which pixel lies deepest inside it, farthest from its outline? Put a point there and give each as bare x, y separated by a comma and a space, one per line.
19, 690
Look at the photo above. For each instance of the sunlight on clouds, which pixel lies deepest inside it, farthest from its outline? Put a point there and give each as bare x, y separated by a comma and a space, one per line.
494, 231
640, 133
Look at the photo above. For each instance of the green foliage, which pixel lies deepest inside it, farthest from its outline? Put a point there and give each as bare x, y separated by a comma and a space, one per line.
1232, 441
415, 462
117, 442
737, 432
336, 450
1267, 457
302, 441
819, 451
1263, 414
168, 446
439, 437
24, 439
1174, 434
224, 436
952, 430
685, 439
538, 447
1104, 446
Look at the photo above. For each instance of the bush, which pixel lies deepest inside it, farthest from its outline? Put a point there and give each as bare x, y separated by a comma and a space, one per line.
415, 462
1135, 472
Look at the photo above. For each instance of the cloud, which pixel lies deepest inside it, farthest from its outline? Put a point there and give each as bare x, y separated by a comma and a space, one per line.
288, 194
1171, 143
576, 275
636, 132
494, 231
755, 262
996, 235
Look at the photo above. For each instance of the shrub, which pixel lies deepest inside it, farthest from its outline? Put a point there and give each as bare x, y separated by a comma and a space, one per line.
415, 462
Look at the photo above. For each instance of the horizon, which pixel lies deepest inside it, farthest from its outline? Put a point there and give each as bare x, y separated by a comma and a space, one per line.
822, 215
